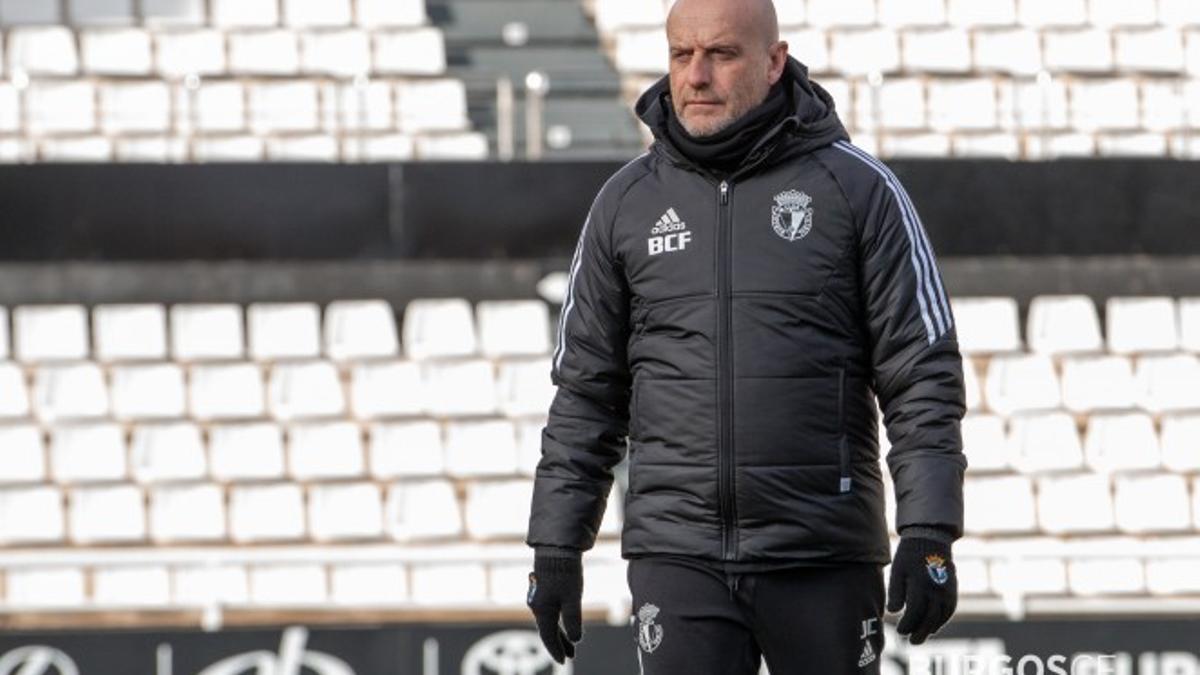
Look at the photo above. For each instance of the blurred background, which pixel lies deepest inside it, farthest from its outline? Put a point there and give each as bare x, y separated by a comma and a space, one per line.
280, 279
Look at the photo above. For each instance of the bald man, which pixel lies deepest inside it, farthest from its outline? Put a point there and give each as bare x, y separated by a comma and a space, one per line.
739, 298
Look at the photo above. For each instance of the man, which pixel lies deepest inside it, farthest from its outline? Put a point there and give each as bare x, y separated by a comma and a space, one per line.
737, 298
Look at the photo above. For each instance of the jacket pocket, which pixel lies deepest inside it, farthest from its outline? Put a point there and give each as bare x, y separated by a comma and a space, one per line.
843, 450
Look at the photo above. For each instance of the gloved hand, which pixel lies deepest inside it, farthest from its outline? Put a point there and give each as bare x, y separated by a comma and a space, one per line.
556, 588
923, 582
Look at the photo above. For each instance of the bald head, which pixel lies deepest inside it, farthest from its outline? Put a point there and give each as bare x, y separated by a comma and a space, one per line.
725, 55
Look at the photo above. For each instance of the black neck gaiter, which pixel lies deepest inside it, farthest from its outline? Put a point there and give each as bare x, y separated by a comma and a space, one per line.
723, 151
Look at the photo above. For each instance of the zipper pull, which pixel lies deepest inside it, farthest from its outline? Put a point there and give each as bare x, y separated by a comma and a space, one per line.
724, 192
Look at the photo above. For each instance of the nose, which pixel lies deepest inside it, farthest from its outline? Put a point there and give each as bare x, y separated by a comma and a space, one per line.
699, 72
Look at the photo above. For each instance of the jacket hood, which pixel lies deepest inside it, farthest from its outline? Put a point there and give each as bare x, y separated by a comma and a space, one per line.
813, 124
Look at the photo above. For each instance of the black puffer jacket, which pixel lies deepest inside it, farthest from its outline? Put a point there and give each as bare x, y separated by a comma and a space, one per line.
736, 331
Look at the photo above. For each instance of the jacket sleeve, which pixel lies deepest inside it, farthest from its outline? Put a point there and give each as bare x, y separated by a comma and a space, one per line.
586, 429
917, 366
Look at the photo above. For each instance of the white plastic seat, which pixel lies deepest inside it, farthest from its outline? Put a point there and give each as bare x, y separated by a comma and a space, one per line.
1053, 12
116, 52
963, 105
226, 391
1155, 503
305, 148
1168, 383
834, 13
192, 52
810, 47
1020, 383
498, 509
481, 448
612, 15
22, 454
217, 107
342, 53
972, 385
1042, 105
203, 332
420, 510
1180, 442
359, 106
242, 13
32, 514
459, 387
1097, 383
438, 328
345, 511
987, 325
1139, 325
185, 513
379, 148
1053, 146
1189, 324
14, 393
246, 451
525, 387
982, 12
641, 51
1132, 145
939, 50
1121, 442
1060, 324
386, 388
1017, 51
404, 449
1075, 504
163, 13
42, 50
915, 145
93, 149
106, 514
1095, 105
513, 328
266, 512
1106, 576
4, 346
50, 332
861, 52
912, 12
56, 587
453, 146
148, 391
1156, 51
1114, 13
130, 332
360, 329
208, 585
321, 450
999, 505
1029, 576
426, 105
358, 584
297, 390
283, 330
449, 584
292, 584
391, 12
316, 13
171, 451
985, 443
1045, 442
268, 52
283, 106
1173, 576
1164, 105
142, 107
131, 586
69, 391
87, 452
529, 444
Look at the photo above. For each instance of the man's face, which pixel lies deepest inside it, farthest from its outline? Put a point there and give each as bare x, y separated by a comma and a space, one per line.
724, 60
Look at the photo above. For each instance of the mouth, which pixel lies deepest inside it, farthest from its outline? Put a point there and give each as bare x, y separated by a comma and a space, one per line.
702, 104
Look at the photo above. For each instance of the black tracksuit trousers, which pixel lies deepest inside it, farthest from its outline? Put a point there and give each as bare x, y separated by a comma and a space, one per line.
690, 618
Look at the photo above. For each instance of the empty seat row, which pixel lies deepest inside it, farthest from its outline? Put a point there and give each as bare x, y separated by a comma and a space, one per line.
255, 451
1030, 144
1082, 576
350, 330
220, 13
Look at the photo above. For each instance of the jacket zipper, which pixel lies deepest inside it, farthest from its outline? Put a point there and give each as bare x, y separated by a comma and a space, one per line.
843, 452
725, 483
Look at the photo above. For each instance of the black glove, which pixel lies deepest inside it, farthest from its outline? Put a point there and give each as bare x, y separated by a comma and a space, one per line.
924, 582
556, 587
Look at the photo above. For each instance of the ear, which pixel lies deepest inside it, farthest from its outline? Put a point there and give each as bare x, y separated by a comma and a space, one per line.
777, 55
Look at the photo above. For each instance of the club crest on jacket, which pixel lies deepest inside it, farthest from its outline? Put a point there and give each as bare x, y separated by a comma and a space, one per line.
792, 215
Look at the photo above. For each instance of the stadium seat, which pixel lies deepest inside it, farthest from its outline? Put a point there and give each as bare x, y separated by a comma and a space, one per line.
1097, 382
1159, 50
915, 145
133, 586
1042, 13
1031, 576
1167, 383
360, 330
513, 327
438, 328
22, 454
614, 15
1086, 50
481, 448
1075, 504
1164, 106
215, 107
123, 52
243, 13
836, 13
206, 332
986, 325
972, 576
283, 585
464, 146
19, 12
357, 584
129, 332
386, 388
862, 52
984, 443
191, 52
296, 390
266, 512
155, 149
420, 510
360, 106
529, 443
895, 104
968, 104
405, 448
466, 387
902, 13
449, 584
93, 149
525, 387
1178, 13
1045, 442
142, 107
323, 450
106, 514
342, 53
269, 52
87, 452
283, 106
972, 385
42, 50
246, 451
1051, 146
1106, 576
1180, 442
999, 505
49, 587
307, 148
226, 391
187, 513
1189, 324
940, 50
1132, 145
1061, 324
641, 51
379, 148
50, 332
980, 13
170, 451
505, 582
1114, 13
1173, 576
69, 391
1097, 106
345, 511
427, 105
1022, 382
164, 13
1154, 503
1121, 442
379, 13
1139, 325
416, 52
1043, 106
28, 515
14, 393
4, 338
1016, 51
498, 509
316, 13
283, 330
